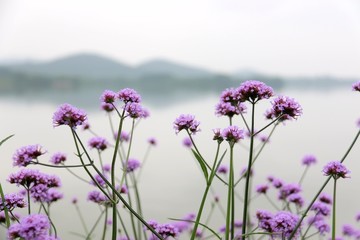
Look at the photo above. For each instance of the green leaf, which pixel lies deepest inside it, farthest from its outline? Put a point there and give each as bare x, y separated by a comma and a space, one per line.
7, 218
7, 138
201, 161
203, 225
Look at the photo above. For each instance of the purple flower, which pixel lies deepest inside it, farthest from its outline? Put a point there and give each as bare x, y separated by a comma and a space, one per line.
253, 91
74, 200
232, 134
185, 225
98, 180
187, 142
12, 200
322, 227
69, 115
167, 230
284, 223
336, 169
288, 189
107, 107
277, 183
32, 177
325, 198
217, 135
96, 197
356, 86
321, 208
24, 155
186, 122
98, 143
223, 169
308, 160
357, 217
124, 136
348, 230
129, 95
264, 217
13, 217
132, 165
58, 158
106, 167
284, 106
135, 110
296, 198
229, 95
229, 109
108, 97
39, 192
30, 227
152, 141
262, 188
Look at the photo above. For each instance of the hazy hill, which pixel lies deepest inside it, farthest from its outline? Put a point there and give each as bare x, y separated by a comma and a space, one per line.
167, 68
81, 65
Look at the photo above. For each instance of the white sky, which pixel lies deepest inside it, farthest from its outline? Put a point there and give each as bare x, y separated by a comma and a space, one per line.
287, 37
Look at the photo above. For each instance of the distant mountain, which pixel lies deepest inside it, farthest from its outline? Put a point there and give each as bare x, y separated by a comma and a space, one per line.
93, 66
80, 65
164, 67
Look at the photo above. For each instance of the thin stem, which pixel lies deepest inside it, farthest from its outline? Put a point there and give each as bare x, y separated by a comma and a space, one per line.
128, 153
273, 121
303, 175
123, 225
51, 222
81, 219
105, 223
248, 174
229, 213
60, 166
322, 187
203, 200
77, 176
2, 198
28, 199
138, 201
95, 224
334, 211
243, 118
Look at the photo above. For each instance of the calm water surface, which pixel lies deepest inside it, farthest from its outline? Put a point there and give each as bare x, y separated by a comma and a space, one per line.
171, 183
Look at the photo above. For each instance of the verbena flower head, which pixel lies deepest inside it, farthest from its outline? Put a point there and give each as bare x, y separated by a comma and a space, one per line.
229, 96
223, 169
66, 114
58, 158
186, 224
253, 91
232, 134
217, 135
129, 95
167, 230
325, 198
12, 200
286, 190
284, 223
96, 197
336, 169
356, 86
108, 96
24, 155
30, 227
348, 230
12, 218
264, 217
229, 109
53, 195
285, 106
308, 160
186, 122
152, 141
28, 177
135, 110
321, 208
296, 198
99, 180
262, 188
132, 165
319, 223
98, 143
107, 107
187, 142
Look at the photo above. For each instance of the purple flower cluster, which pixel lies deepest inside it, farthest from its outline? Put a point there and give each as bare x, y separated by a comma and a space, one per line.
322, 207
232, 134
319, 222
356, 86
166, 230
229, 109
186, 122
24, 155
262, 188
66, 114
99, 180
132, 165
187, 142
285, 107
34, 226
129, 95
32, 177
308, 160
336, 169
58, 158
152, 141
98, 143
136, 110
186, 224
108, 97
96, 197
253, 91
12, 200
281, 224
223, 169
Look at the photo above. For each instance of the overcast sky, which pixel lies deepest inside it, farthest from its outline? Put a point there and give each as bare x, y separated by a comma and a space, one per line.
287, 37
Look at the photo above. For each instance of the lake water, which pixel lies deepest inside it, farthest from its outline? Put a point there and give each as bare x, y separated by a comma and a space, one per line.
171, 183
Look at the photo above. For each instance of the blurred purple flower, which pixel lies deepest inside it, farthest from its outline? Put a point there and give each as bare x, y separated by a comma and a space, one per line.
135, 110
58, 158
262, 188
232, 134
356, 86
24, 155
152, 141
12, 200
284, 106
98, 143
30, 227
186, 122
308, 160
129, 95
336, 169
223, 169
108, 96
187, 142
132, 165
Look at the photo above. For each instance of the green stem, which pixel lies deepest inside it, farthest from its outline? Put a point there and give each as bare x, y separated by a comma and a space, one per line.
7, 218
131, 216
247, 183
128, 153
95, 224
229, 213
203, 200
81, 219
115, 191
322, 187
51, 222
105, 224
138, 203
28, 199
334, 211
